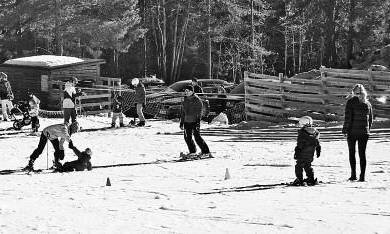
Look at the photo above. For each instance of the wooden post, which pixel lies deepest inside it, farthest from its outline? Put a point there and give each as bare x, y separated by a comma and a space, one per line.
324, 91
281, 92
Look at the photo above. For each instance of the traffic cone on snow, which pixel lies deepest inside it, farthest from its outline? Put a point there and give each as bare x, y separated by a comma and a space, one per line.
108, 183
227, 174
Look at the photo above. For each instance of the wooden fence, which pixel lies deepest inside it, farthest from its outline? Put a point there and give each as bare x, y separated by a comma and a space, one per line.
274, 99
98, 98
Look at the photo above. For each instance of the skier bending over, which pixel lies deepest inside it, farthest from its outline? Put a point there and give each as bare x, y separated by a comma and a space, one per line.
82, 162
57, 134
307, 144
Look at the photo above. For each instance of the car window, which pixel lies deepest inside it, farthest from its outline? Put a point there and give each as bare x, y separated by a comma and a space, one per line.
178, 86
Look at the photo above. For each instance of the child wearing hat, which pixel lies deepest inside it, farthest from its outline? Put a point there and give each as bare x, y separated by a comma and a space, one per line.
83, 160
307, 144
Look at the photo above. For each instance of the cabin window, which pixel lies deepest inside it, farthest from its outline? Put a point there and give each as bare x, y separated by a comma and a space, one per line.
44, 83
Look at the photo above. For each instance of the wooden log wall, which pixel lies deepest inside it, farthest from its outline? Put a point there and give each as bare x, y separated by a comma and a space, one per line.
274, 99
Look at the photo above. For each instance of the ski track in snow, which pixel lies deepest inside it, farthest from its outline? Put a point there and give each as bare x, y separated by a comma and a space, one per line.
151, 193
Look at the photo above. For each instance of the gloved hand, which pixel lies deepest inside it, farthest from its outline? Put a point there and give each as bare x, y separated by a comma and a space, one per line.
70, 144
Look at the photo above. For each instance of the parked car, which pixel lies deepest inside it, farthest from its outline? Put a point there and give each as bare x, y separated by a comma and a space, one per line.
167, 103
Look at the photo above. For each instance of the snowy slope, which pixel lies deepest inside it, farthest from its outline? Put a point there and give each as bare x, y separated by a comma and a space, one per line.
150, 194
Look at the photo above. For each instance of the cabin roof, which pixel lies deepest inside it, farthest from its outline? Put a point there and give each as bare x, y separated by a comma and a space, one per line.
49, 61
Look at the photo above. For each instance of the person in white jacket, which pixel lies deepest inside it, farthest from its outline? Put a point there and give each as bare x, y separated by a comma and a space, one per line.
69, 102
57, 134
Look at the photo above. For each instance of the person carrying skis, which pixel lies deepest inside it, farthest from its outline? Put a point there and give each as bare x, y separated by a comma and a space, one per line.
57, 134
83, 160
191, 114
307, 144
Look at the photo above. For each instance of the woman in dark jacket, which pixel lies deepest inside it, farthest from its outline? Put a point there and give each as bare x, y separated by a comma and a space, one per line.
357, 125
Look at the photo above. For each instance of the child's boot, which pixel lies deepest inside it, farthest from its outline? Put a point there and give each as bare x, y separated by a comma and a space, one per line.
121, 125
141, 123
113, 125
30, 166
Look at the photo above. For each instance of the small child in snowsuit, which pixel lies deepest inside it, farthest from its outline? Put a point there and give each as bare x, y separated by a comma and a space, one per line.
307, 144
83, 162
33, 103
117, 112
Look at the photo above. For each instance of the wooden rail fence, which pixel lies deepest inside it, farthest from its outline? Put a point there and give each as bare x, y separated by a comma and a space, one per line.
274, 99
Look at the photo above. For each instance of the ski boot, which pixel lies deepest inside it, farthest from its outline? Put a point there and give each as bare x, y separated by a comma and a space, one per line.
311, 181
30, 166
141, 123
297, 182
121, 125
112, 125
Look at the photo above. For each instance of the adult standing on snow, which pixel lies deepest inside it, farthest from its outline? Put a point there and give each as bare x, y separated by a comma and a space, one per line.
57, 134
140, 99
190, 121
357, 124
69, 102
6, 95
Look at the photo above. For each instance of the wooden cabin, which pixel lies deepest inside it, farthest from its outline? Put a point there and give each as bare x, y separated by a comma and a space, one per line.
44, 74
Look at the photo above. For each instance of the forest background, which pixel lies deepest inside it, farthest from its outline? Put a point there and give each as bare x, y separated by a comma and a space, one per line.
179, 39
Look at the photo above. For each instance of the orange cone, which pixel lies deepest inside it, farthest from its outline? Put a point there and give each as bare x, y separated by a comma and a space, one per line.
108, 183
227, 174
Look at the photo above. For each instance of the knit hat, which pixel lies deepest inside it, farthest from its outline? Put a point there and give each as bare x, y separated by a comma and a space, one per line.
305, 121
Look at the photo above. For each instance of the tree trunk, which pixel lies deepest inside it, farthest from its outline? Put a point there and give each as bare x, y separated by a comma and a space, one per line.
209, 62
351, 18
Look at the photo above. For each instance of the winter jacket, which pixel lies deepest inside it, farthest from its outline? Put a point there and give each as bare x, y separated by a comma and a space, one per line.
34, 106
83, 161
197, 89
140, 97
56, 131
116, 106
191, 109
358, 117
6, 90
307, 143
70, 95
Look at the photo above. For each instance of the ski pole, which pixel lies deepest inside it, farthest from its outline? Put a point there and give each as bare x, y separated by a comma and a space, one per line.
47, 156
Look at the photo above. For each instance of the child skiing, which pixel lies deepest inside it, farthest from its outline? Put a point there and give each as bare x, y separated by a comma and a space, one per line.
307, 143
33, 103
190, 122
83, 160
117, 112
57, 134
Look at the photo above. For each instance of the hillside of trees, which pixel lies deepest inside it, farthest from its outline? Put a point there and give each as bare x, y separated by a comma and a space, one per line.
179, 39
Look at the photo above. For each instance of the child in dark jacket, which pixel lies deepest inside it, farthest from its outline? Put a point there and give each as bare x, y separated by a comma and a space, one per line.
83, 162
117, 112
307, 144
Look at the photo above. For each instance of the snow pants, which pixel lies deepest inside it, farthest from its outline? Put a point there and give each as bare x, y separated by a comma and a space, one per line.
58, 153
304, 164
194, 129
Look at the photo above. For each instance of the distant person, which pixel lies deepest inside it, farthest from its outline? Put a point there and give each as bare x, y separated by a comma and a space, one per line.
197, 88
6, 96
140, 100
82, 163
117, 111
69, 102
357, 125
190, 122
33, 103
57, 134
307, 144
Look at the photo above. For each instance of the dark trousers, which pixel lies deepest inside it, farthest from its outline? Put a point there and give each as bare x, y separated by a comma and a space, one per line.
194, 129
70, 113
362, 144
304, 164
35, 123
58, 154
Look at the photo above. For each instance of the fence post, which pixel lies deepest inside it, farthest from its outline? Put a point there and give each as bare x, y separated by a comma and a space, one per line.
324, 91
281, 91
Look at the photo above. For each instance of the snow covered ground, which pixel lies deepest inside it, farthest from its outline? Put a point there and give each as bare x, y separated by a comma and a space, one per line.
150, 193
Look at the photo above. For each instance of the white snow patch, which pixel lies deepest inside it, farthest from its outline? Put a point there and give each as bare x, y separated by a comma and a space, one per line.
44, 61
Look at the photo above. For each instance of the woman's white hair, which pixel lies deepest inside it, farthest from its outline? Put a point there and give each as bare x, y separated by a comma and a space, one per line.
363, 92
